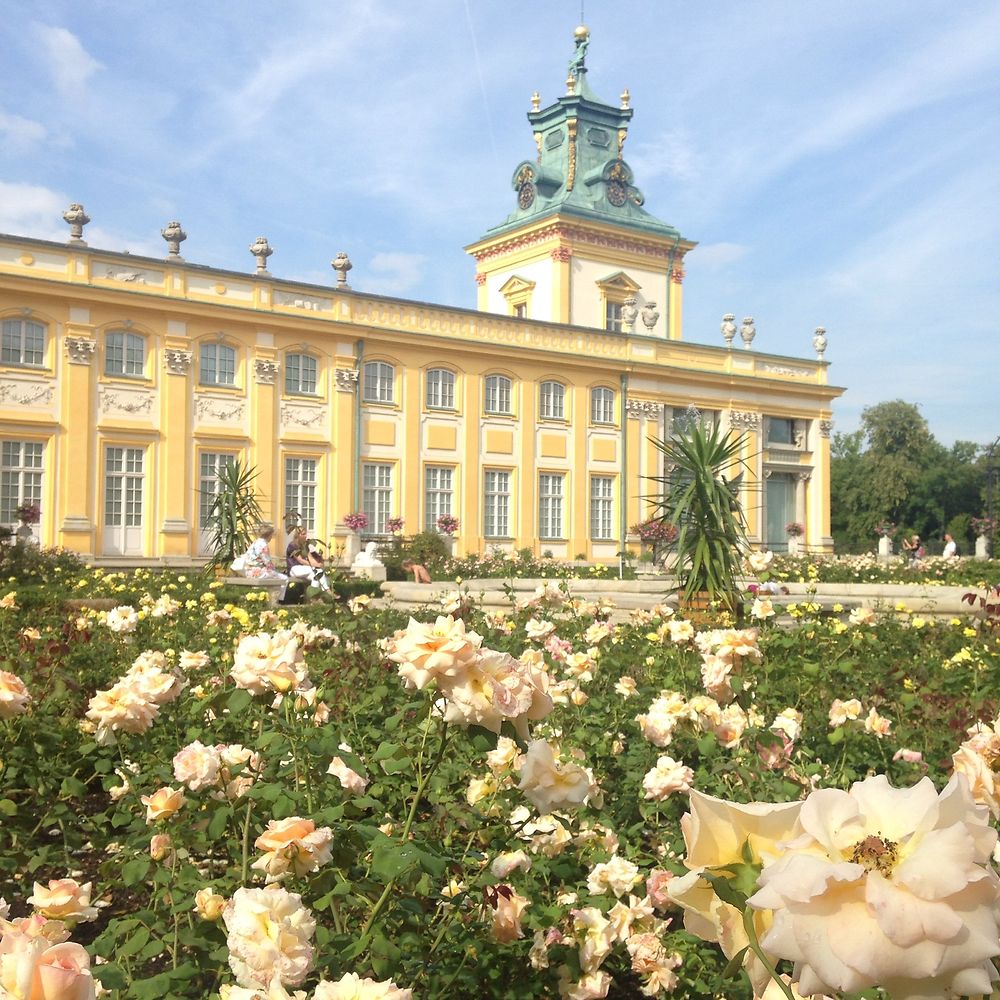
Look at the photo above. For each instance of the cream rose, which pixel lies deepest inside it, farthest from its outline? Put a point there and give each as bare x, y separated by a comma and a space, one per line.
667, 777
14, 695
429, 652
507, 908
353, 987
549, 783
266, 662
162, 804
33, 968
269, 934
208, 904
292, 846
64, 899
348, 778
197, 766
889, 887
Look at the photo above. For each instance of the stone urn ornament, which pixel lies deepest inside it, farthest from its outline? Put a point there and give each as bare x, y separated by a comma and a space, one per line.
820, 342
630, 313
747, 332
77, 219
650, 314
729, 329
174, 236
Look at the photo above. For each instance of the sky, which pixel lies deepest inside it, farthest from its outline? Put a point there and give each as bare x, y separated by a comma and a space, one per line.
838, 164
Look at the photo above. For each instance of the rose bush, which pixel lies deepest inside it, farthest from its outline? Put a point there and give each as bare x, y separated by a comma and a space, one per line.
489, 806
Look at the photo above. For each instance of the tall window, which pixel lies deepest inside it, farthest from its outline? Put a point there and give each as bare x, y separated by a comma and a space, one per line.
440, 389
210, 465
124, 354
22, 342
376, 481
300, 490
602, 406
123, 479
781, 430
550, 505
379, 379
496, 504
300, 374
497, 396
218, 364
552, 401
613, 316
601, 499
20, 476
438, 493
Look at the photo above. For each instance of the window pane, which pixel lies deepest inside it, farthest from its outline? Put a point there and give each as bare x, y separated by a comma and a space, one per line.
300, 489
376, 480
438, 495
496, 504
601, 493
20, 476
114, 354
550, 505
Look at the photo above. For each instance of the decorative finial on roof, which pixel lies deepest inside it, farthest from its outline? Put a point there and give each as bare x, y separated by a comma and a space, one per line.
77, 219
536, 101
261, 249
626, 97
578, 64
342, 264
174, 236
570, 84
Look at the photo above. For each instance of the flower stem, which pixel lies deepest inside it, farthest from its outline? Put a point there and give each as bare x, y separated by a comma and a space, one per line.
761, 955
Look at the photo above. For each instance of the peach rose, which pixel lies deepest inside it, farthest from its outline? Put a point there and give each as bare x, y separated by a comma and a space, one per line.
292, 845
64, 899
507, 908
14, 695
266, 662
208, 904
348, 778
162, 804
429, 652
34, 969
161, 847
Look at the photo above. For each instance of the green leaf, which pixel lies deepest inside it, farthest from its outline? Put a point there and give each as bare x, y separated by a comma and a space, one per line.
8, 808
134, 944
835, 737
72, 788
133, 872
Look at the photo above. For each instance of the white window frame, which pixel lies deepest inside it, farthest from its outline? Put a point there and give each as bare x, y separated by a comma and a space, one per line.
210, 464
376, 494
439, 493
602, 500
22, 464
301, 374
22, 342
496, 503
498, 395
440, 389
212, 371
551, 498
123, 505
301, 476
602, 405
379, 382
552, 400
124, 354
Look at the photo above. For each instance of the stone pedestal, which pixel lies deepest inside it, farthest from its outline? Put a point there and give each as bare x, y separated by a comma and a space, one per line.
794, 545
982, 547
25, 536
352, 546
884, 548
376, 573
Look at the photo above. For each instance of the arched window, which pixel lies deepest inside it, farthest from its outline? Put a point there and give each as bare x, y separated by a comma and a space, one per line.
440, 389
379, 379
602, 406
217, 364
124, 353
552, 401
23, 342
300, 374
498, 394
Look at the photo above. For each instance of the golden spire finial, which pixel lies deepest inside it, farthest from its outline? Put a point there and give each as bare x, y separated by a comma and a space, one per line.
536, 101
571, 84
626, 97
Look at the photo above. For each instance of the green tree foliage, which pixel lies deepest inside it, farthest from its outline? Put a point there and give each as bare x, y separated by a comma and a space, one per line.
894, 469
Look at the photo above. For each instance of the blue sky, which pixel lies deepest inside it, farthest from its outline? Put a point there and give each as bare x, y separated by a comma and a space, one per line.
839, 164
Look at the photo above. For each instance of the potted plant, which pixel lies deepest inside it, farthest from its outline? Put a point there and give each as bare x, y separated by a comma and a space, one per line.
659, 535
448, 525
234, 515
701, 502
28, 513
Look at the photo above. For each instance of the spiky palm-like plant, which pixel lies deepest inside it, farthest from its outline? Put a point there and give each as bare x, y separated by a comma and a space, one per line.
234, 515
703, 504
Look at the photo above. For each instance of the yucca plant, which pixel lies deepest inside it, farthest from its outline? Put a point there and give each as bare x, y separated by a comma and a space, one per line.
234, 515
703, 504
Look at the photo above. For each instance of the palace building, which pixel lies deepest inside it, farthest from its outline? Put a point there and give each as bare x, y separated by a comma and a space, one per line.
127, 382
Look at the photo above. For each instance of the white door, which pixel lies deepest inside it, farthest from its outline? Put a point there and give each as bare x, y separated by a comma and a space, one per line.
210, 464
123, 501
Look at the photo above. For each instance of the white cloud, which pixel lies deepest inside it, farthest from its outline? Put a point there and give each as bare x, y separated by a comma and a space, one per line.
671, 154
32, 210
20, 133
394, 273
713, 256
69, 63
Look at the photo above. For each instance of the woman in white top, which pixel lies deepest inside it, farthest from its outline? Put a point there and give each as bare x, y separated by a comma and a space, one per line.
304, 562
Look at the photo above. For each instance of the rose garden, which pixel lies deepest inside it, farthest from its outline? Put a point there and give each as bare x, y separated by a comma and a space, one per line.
203, 795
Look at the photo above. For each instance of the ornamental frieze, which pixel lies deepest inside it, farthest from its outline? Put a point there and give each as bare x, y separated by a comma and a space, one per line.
746, 419
574, 234
125, 401
643, 408
302, 415
221, 411
15, 393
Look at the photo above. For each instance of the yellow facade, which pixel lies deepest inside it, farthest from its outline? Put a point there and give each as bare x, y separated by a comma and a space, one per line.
137, 376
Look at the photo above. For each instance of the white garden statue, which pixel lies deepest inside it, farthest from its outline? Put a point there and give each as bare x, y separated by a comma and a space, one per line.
367, 563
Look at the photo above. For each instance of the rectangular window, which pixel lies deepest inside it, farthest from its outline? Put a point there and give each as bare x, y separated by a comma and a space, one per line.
613, 316
124, 354
300, 490
22, 342
498, 394
550, 505
601, 500
218, 364
440, 389
210, 464
602, 406
780, 430
496, 504
378, 382
551, 403
123, 479
376, 480
300, 374
20, 477
438, 494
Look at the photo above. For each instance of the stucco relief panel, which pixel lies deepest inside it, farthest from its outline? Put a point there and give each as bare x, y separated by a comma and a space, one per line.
130, 404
